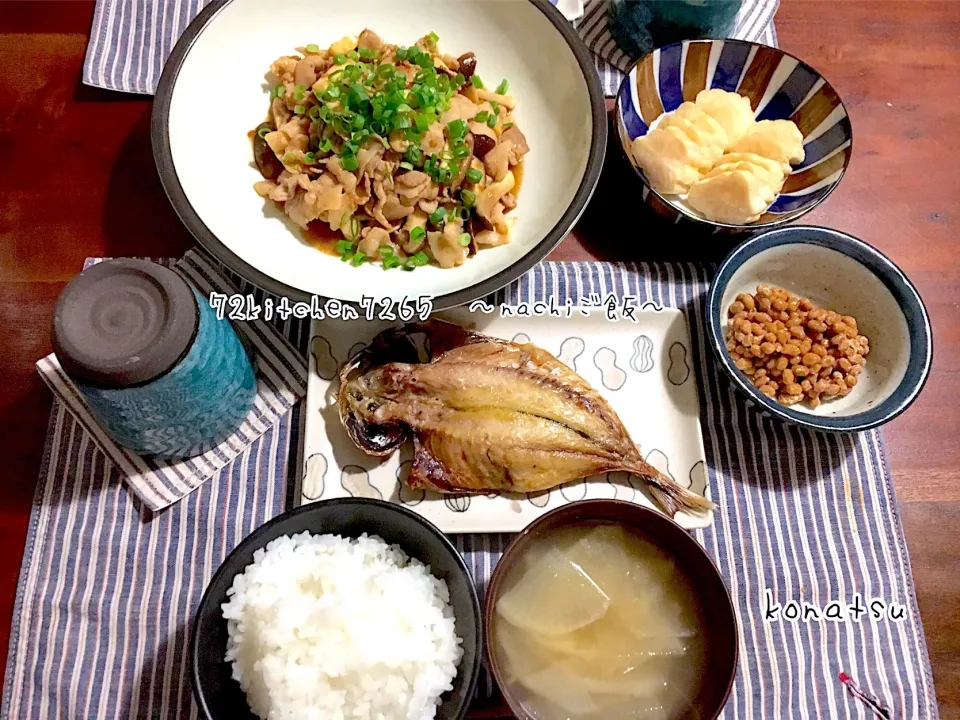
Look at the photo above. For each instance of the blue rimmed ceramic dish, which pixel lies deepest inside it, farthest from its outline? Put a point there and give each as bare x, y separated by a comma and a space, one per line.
780, 87
837, 272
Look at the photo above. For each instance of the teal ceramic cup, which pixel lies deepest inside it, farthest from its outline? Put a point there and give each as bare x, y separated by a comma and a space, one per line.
157, 368
639, 26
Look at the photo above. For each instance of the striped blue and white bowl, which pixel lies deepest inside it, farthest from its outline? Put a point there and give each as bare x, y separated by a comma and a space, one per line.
841, 273
780, 87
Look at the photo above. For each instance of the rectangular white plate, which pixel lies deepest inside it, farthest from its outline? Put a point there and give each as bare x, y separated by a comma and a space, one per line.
643, 369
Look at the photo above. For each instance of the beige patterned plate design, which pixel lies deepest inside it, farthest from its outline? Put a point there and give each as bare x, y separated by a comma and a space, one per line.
644, 369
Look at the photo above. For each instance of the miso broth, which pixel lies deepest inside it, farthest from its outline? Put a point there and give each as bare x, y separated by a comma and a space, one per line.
597, 623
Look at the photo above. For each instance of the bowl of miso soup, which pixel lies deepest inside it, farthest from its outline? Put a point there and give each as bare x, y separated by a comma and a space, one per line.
606, 610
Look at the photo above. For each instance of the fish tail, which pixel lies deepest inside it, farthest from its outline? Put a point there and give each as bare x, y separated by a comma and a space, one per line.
665, 491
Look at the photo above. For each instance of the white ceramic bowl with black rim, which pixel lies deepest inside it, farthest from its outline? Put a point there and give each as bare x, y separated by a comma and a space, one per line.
837, 272
213, 92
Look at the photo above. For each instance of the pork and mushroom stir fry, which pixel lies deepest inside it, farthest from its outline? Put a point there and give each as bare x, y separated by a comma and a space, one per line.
403, 150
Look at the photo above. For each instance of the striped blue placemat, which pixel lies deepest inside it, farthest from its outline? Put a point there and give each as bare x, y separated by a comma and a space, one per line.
131, 39
805, 521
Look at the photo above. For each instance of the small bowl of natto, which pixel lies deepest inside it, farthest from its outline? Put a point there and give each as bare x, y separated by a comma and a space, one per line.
603, 608
855, 285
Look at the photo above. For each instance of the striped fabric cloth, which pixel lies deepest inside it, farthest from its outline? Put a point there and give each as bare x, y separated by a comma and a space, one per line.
131, 39
805, 521
282, 380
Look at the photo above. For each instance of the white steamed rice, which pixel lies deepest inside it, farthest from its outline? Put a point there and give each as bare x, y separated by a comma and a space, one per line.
330, 628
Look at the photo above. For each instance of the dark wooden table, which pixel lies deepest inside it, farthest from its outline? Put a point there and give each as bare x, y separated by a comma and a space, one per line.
77, 180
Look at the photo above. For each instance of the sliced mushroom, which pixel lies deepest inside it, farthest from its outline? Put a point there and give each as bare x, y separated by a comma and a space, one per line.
467, 64
491, 238
279, 112
514, 135
267, 163
488, 202
506, 101
369, 40
482, 144
497, 161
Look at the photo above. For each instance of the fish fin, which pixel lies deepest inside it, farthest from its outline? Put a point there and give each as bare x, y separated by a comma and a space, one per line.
426, 471
671, 497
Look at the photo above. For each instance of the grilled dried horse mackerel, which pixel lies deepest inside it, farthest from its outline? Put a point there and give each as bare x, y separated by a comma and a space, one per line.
486, 414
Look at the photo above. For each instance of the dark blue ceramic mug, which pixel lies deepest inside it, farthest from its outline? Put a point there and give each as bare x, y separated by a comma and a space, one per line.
639, 26
158, 369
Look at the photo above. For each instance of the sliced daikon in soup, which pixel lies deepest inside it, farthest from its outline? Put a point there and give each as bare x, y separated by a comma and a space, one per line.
554, 598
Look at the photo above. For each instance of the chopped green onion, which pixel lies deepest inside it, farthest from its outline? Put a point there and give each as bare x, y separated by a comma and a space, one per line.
413, 155
418, 233
401, 54
385, 250
299, 109
391, 261
474, 175
344, 247
437, 216
349, 162
353, 55
482, 116
460, 150
503, 87
401, 122
433, 38
406, 166
339, 59
476, 82
424, 60
459, 80
469, 197
298, 91
457, 129
369, 53
465, 239
326, 146
312, 48
492, 121
507, 126
358, 259
309, 158
279, 90
496, 107
262, 132
422, 122
384, 71
421, 257
314, 112
358, 122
